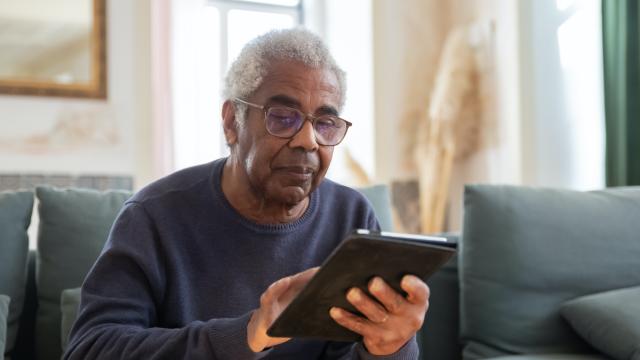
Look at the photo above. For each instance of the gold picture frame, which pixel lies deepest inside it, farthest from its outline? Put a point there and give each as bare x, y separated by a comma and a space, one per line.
96, 87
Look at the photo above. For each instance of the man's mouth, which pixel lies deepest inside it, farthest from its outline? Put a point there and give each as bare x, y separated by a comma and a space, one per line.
300, 173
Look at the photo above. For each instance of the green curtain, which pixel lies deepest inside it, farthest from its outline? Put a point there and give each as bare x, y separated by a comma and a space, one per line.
621, 44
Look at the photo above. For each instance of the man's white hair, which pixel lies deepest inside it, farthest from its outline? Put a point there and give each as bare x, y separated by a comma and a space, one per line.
248, 71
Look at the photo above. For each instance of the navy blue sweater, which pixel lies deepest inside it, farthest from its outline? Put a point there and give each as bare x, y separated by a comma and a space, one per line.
182, 271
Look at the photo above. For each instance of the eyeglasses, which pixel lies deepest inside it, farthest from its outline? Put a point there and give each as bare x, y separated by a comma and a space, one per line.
285, 122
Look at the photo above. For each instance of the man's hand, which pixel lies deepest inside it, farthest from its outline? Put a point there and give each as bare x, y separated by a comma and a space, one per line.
272, 302
389, 326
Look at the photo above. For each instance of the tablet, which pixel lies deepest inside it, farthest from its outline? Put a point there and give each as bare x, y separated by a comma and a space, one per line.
360, 257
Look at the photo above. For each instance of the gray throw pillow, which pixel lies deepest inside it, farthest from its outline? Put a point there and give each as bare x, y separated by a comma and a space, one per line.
610, 321
4, 314
525, 251
69, 305
15, 217
74, 225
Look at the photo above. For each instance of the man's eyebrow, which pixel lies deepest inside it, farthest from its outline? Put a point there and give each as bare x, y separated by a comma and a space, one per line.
291, 102
284, 100
327, 110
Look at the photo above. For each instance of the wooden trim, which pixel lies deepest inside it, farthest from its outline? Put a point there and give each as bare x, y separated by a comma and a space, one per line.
96, 88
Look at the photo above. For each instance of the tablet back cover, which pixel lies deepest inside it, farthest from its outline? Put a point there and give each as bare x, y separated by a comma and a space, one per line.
358, 259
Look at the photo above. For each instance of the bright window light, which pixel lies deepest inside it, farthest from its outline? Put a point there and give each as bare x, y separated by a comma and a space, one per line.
564, 4
245, 25
196, 67
275, 2
580, 54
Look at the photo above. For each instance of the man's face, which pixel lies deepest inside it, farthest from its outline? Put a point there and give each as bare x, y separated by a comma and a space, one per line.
287, 170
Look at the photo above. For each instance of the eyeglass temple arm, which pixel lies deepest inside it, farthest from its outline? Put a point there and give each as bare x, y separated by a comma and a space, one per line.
249, 103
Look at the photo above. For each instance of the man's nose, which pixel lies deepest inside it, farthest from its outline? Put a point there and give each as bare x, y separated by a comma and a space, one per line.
305, 138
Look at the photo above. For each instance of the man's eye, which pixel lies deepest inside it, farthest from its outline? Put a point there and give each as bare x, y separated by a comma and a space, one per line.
327, 122
284, 120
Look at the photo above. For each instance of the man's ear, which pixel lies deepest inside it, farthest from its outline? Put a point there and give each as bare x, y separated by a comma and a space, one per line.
229, 122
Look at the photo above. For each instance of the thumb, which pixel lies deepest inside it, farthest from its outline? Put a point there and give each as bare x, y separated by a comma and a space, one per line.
305, 276
299, 280
275, 290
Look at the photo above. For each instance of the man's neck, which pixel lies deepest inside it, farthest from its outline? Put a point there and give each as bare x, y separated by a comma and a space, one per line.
244, 199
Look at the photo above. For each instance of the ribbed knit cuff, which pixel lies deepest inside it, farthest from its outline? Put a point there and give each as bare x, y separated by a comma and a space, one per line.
408, 351
229, 339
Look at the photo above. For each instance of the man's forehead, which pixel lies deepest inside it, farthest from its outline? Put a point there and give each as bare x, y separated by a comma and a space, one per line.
294, 71
290, 83
286, 100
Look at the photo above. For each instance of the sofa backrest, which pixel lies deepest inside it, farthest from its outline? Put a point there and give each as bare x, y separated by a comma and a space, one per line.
525, 251
15, 217
73, 227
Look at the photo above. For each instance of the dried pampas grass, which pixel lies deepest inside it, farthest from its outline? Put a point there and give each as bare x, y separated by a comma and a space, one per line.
453, 127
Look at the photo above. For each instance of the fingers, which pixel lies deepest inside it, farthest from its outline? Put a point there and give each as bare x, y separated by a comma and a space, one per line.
302, 278
367, 306
257, 338
294, 282
418, 292
275, 290
272, 302
391, 300
352, 322
388, 325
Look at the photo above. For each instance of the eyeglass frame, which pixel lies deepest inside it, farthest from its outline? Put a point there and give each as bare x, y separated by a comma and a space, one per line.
305, 117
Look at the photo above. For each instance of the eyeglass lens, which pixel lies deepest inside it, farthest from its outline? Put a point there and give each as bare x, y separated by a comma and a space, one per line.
285, 123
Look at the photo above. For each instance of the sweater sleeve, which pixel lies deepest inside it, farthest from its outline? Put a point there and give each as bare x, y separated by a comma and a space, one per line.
118, 317
357, 351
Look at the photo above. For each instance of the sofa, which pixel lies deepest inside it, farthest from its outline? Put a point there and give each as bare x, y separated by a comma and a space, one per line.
540, 273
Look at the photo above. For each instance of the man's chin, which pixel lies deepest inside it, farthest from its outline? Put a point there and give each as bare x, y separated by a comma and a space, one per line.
292, 195
288, 191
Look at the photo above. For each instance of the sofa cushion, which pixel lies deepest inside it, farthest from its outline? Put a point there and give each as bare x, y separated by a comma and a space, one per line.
69, 305
610, 321
525, 251
4, 314
15, 217
74, 225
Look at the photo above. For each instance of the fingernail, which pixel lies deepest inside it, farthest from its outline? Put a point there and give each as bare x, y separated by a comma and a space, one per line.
409, 281
376, 284
335, 313
353, 295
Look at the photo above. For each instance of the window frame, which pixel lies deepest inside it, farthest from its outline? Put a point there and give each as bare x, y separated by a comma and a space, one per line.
225, 6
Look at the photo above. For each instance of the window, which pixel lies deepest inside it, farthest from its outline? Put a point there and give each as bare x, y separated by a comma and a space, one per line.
580, 55
208, 35
563, 93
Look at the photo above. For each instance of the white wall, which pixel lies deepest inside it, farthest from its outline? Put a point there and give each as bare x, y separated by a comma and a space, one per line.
499, 161
30, 142
408, 37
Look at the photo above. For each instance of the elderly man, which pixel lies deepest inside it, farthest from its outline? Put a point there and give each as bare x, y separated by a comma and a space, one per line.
199, 264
